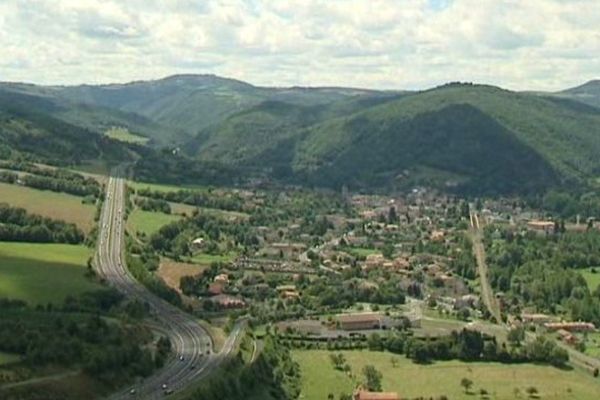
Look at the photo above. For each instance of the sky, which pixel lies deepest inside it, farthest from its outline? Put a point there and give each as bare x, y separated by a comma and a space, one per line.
382, 44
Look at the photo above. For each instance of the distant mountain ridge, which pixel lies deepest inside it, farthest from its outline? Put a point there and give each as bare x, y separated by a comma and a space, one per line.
588, 93
462, 137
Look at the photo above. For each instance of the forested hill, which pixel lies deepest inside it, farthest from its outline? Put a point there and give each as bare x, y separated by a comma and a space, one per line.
28, 126
190, 103
461, 137
473, 138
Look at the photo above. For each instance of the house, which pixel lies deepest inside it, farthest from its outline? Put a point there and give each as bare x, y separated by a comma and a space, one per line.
537, 319
290, 294
566, 336
362, 321
365, 395
222, 278
437, 236
216, 288
541, 226
197, 243
288, 291
226, 301
374, 260
571, 326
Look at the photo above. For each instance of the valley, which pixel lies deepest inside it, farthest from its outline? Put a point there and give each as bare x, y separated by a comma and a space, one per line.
409, 232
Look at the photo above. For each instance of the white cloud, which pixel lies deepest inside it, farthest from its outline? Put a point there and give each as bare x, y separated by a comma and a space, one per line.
533, 44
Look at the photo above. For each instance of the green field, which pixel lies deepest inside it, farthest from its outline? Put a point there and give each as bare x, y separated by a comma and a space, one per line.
360, 251
42, 273
49, 204
123, 135
592, 279
210, 258
148, 222
162, 188
7, 358
410, 380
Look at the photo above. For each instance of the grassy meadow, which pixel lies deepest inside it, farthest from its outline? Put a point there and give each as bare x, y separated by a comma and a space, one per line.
148, 222
162, 188
501, 381
42, 273
55, 205
592, 278
123, 135
8, 358
207, 259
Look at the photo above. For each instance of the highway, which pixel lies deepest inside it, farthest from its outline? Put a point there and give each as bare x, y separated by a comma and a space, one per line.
192, 346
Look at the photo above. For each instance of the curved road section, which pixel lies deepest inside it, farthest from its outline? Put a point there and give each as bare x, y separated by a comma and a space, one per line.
191, 344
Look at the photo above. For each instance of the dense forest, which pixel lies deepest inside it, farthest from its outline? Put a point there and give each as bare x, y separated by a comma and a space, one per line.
541, 271
76, 334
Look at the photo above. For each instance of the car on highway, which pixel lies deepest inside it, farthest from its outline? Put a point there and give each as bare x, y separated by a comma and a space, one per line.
132, 392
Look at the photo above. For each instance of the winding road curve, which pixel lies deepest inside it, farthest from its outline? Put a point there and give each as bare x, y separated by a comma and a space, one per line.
192, 345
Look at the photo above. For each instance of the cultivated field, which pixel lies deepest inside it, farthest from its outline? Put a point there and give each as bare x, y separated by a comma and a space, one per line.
172, 272
42, 273
148, 222
501, 381
50, 204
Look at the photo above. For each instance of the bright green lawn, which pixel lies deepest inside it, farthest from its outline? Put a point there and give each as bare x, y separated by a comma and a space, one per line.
7, 358
42, 273
123, 135
149, 222
441, 378
592, 279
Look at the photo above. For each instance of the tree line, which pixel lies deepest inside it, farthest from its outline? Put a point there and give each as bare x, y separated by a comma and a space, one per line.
208, 199
16, 225
149, 204
56, 180
468, 345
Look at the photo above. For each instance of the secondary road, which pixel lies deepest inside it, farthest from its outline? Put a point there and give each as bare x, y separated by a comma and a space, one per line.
192, 345
487, 293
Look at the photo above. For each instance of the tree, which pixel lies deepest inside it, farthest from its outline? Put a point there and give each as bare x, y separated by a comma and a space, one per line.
392, 216
373, 378
532, 391
466, 383
516, 336
338, 361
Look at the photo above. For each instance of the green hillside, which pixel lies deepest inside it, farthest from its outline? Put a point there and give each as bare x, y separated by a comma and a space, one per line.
461, 137
191, 103
28, 126
94, 117
471, 138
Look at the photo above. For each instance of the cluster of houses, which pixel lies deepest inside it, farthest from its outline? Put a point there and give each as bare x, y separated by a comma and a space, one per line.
566, 331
